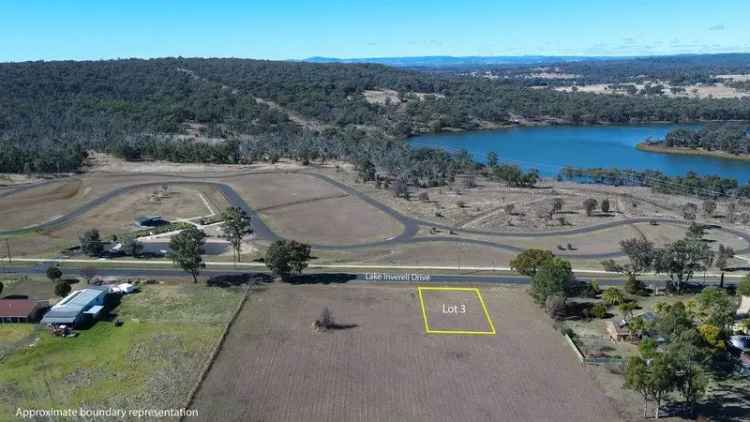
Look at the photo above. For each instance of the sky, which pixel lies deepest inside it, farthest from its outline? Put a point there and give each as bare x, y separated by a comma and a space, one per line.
285, 29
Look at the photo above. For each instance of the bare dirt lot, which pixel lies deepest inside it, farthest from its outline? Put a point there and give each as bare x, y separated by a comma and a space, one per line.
381, 365
336, 221
263, 191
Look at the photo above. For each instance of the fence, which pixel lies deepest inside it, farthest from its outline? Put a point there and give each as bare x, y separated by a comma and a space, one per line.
600, 360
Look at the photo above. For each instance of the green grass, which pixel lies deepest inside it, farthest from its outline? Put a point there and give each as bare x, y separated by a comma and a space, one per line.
12, 333
153, 360
39, 288
13, 336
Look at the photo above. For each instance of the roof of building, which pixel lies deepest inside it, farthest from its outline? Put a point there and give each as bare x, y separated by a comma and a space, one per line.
72, 305
16, 308
80, 298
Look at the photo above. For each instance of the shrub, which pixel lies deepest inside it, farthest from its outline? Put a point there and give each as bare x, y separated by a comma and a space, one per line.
62, 289
613, 296
599, 310
605, 206
584, 289
555, 306
633, 285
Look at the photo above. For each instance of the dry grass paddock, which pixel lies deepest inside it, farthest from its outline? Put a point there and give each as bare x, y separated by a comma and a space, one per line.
335, 221
382, 366
118, 216
273, 190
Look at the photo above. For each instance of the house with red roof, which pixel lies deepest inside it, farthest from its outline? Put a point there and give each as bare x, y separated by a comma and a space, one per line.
20, 310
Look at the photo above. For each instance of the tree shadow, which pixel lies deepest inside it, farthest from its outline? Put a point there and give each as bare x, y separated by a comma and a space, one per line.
322, 278
339, 327
230, 280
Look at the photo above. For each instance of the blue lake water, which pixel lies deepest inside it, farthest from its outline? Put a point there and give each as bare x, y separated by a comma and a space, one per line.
550, 148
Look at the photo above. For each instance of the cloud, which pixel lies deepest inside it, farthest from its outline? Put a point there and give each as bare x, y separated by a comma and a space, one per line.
719, 27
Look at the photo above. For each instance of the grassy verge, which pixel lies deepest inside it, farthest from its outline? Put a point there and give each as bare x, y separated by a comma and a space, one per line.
150, 362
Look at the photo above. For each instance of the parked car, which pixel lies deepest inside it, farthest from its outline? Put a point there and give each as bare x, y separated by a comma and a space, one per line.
740, 343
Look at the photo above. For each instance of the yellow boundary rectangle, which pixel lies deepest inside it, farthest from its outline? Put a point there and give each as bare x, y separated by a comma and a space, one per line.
427, 328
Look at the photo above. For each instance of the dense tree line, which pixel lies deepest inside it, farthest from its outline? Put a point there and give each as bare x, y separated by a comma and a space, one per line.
691, 184
731, 138
42, 155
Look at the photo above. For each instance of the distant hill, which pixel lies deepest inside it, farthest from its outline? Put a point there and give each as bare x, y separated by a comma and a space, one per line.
460, 61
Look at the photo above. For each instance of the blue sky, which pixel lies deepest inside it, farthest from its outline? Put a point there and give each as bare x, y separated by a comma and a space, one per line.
284, 29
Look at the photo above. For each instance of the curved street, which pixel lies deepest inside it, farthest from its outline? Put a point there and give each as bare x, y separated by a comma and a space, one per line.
408, 234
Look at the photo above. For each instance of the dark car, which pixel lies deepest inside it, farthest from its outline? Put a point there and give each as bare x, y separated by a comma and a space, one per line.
740, 343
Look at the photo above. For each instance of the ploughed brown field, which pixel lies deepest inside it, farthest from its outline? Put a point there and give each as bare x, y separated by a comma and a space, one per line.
381, 366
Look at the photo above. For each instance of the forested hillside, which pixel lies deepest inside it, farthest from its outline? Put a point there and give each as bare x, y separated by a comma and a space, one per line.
51, 112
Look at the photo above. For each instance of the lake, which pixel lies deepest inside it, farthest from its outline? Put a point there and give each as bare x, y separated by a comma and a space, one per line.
551, 148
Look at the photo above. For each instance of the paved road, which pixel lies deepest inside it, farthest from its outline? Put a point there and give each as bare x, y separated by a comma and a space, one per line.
410, 225
334, 277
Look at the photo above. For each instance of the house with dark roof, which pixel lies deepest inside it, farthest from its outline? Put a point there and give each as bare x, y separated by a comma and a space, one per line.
20, 310
77, 308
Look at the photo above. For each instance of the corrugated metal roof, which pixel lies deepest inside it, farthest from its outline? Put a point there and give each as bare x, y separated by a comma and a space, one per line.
72, 305
80, 298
